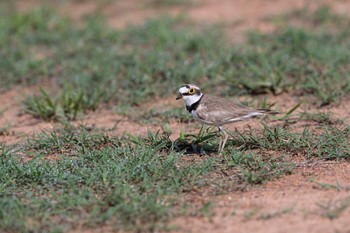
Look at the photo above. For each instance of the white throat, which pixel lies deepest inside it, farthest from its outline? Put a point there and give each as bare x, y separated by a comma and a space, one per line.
191, 99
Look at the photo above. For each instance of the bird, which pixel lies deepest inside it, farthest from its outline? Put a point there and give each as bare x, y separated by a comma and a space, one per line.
216, 111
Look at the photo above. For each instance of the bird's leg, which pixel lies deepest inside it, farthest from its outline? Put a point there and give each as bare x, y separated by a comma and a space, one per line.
220, 136
220, 142
223, 139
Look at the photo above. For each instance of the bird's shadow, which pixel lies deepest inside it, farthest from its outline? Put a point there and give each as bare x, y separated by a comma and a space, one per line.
190, 147
210, 147
202, 143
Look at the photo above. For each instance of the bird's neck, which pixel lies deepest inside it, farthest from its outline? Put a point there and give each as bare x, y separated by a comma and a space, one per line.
192, 102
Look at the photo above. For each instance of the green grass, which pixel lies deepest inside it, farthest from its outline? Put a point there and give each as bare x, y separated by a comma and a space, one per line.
91, 178
201, 142
96, 56
141, 62
165, 3
325, 142
256, 169
322, 118
83, 175
69, 176
66, 105
135, 183
94, 179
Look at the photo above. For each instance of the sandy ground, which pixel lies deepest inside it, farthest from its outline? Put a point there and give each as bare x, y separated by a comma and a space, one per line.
293, 203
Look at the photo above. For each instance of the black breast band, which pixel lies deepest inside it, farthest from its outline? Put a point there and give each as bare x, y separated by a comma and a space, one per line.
194, 106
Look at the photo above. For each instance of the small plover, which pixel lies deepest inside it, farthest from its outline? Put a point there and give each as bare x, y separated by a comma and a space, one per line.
216, 111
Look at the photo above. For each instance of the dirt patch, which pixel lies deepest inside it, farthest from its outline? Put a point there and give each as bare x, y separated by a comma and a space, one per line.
13, 121
16, 124
294, 203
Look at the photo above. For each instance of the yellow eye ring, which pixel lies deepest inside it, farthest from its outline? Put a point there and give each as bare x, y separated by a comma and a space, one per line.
192, 91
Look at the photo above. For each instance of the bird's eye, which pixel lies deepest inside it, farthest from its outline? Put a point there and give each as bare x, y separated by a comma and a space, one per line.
192, 91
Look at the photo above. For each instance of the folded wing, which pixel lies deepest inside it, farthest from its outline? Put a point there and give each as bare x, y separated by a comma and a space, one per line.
219, 111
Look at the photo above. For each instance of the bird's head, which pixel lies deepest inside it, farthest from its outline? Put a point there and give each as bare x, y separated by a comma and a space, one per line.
189, 93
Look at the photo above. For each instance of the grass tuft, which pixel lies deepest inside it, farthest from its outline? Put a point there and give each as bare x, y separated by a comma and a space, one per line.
256, 169
65, 106
325, 143
197, 143
333, 209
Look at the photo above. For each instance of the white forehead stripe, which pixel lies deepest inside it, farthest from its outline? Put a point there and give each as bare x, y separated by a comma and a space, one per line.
183, 90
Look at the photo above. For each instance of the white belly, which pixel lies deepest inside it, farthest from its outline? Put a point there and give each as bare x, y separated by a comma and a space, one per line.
228, 121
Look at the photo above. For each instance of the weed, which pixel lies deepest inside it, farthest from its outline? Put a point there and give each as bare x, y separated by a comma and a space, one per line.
158, 140
256, 169
170, 2
323, 118
333, 209
69, 140
251, 213
42, 106
66, 105
5, 130
5, 151
267, 216
327, 186
330, 143
192, 142
288, 114
205, 210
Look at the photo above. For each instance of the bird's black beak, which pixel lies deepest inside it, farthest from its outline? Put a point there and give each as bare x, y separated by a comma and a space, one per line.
179, 96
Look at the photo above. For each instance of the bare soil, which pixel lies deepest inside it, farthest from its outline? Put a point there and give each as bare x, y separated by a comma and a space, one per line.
293, 203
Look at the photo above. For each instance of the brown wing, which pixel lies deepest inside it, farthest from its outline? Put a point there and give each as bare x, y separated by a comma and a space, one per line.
219, 111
